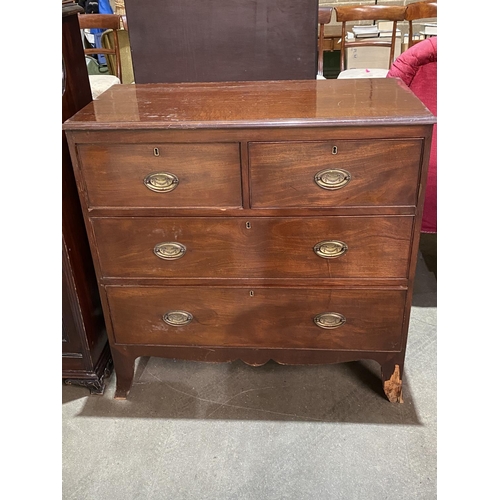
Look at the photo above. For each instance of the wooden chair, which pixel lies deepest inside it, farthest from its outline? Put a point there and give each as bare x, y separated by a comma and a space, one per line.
104, 22
100, 83
107, 41
324, 17
355, 13
416, 11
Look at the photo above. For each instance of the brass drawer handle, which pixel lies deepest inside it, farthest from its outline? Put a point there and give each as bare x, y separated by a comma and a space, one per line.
329, 320
169, 250
330, 249
332, 178
177, 318
161, 182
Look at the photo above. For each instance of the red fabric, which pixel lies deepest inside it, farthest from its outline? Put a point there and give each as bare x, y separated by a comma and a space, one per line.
417, 67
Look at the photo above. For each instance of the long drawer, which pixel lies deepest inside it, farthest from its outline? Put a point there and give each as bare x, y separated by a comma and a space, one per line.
258, 317
259, 247
334, 173
162, 175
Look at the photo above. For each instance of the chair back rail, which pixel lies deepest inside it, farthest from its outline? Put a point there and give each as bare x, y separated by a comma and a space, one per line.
104, 22
416, 11
348, 13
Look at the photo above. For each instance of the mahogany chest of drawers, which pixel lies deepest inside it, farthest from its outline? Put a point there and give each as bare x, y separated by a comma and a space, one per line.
255, 220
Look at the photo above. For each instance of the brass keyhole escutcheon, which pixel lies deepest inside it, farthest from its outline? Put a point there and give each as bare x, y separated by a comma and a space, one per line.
248, 225
334, 150
156, 151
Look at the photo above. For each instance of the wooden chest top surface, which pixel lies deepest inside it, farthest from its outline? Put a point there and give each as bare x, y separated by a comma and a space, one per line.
298, 103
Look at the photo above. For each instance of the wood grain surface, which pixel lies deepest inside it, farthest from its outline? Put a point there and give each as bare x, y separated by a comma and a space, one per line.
378, 247
269, 318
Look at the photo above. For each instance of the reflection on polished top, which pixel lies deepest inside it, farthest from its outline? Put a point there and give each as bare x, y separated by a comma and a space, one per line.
254, 104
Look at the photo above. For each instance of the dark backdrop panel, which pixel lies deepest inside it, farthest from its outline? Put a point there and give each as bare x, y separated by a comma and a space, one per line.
222, 40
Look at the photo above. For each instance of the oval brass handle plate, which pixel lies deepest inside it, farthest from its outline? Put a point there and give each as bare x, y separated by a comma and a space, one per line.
169, 250
161, 182
177, 318
332, 178
329, 320
330, 249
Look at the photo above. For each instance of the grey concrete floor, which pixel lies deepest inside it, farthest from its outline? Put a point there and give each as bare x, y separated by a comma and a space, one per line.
229, 431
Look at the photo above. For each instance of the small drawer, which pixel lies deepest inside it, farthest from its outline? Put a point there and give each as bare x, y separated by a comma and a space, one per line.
258, 247
258, 317
162, 175
334, 173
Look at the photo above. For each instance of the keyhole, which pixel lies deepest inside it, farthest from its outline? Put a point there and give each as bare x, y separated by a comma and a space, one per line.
156, 151
334, 150
248, 225
251, 293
